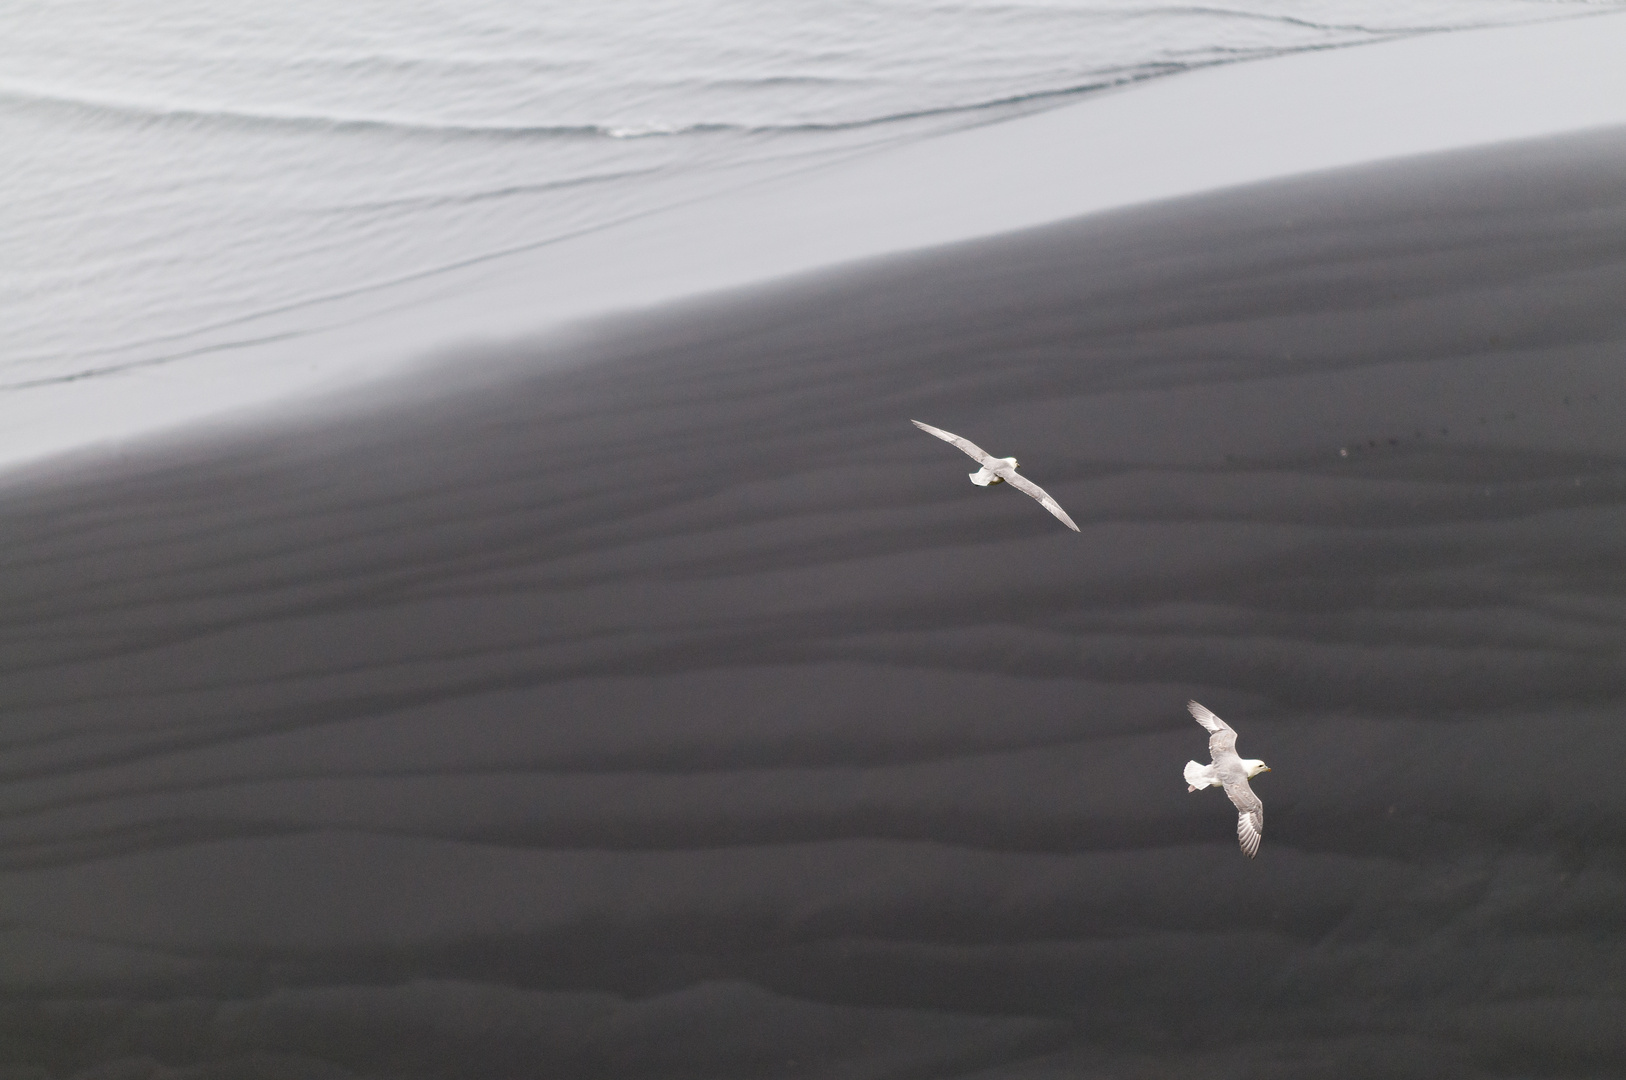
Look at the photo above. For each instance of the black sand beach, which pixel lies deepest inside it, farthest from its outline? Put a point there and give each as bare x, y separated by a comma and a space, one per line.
660, 703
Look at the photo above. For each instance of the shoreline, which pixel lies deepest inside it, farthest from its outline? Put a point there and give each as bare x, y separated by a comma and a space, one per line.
1208, 130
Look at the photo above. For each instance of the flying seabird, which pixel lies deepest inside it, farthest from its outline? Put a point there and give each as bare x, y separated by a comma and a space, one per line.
1233, 772
995, 469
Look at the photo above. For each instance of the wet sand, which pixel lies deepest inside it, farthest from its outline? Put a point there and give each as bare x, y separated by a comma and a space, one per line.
658, 702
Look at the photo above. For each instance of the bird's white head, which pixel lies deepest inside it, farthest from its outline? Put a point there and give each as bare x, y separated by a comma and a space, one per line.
1255, 766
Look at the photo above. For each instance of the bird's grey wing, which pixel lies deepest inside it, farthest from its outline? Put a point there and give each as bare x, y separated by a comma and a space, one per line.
1250, 815
978, 454
1023, 484
1223, 737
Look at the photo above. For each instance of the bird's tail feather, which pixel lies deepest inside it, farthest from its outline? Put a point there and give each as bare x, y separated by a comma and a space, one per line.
1197, 777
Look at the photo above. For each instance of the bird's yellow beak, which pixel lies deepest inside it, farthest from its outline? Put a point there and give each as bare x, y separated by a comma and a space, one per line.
1264, 768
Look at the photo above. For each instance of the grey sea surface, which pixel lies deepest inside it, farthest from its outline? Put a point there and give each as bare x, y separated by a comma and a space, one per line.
191, 178
661, 703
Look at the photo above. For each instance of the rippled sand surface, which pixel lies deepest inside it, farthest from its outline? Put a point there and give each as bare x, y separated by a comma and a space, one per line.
668, 706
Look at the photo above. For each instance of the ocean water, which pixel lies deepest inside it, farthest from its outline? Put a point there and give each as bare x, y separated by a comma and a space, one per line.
684, 713
186, 177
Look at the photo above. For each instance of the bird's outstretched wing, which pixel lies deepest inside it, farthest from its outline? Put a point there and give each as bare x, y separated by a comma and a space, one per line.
1250, 815
978, 454
1023, 484
1223, 739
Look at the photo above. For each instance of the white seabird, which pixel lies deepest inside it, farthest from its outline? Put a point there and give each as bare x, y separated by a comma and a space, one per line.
1233, 772
995, 469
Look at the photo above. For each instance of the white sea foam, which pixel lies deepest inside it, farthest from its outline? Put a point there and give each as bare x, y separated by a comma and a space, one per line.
357, 293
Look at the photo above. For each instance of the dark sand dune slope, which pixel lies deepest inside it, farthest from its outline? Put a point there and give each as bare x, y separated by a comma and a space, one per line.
665, 705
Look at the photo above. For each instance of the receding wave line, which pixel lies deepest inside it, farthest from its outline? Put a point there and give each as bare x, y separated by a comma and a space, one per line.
1099, 79
162, 112
1285, 20
159, 112
509, 191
